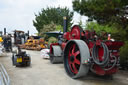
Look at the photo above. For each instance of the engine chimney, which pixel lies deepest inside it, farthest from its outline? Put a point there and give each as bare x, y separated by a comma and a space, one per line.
28, 33
4, 31
65, 24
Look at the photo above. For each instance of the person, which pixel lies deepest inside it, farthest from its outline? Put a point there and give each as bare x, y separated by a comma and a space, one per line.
7, 42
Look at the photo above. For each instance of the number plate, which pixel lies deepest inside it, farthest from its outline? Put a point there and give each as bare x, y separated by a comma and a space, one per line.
19, 60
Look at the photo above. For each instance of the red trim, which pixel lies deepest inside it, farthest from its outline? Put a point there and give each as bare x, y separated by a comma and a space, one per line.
63, 45
52, 45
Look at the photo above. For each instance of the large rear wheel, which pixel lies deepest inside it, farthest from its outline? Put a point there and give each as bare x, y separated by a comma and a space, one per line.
76, 55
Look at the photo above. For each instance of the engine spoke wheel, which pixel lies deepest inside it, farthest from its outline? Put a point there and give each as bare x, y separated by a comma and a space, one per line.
74, 68
76, 32
74, 63
73, 55
76, 53
77, 61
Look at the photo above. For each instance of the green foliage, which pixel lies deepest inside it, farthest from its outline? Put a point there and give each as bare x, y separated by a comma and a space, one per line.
124, 54
103, 11
124, 50
80, 23
47, 28
59, 28
101, 29
55, 15
98, 28
52, 40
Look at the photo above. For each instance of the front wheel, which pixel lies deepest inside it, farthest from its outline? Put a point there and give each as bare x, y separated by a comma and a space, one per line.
56, 54
76, 53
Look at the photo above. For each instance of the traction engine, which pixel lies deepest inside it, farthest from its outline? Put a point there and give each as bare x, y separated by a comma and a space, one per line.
81, 52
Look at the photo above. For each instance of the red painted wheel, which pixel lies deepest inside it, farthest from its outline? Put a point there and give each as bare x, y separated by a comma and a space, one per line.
74, 58
76, 32
76, 51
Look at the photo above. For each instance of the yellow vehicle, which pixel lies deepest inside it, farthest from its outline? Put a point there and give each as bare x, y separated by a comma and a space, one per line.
29, 42
34, 44
1, 40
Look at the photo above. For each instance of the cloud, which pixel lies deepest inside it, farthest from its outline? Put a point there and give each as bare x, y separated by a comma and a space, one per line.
64, 3
18, 14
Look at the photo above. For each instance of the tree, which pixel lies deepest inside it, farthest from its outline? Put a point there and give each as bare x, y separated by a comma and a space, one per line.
47, 28
103, 11
117, 34
106, 12
52, 14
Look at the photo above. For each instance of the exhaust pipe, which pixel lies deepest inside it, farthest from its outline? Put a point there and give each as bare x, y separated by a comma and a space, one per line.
4, 31
28, 33
65, 24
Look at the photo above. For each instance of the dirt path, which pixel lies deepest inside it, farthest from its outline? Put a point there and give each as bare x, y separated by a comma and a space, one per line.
42, 72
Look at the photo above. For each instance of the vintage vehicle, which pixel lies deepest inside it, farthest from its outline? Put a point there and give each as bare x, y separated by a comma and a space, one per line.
83, 51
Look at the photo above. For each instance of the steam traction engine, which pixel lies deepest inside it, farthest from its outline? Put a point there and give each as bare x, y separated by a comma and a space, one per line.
81, 52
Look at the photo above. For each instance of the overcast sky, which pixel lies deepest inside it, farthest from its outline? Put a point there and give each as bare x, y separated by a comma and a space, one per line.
18, 14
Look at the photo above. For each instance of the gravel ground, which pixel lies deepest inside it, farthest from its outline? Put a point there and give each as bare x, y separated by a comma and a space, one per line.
42, 72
